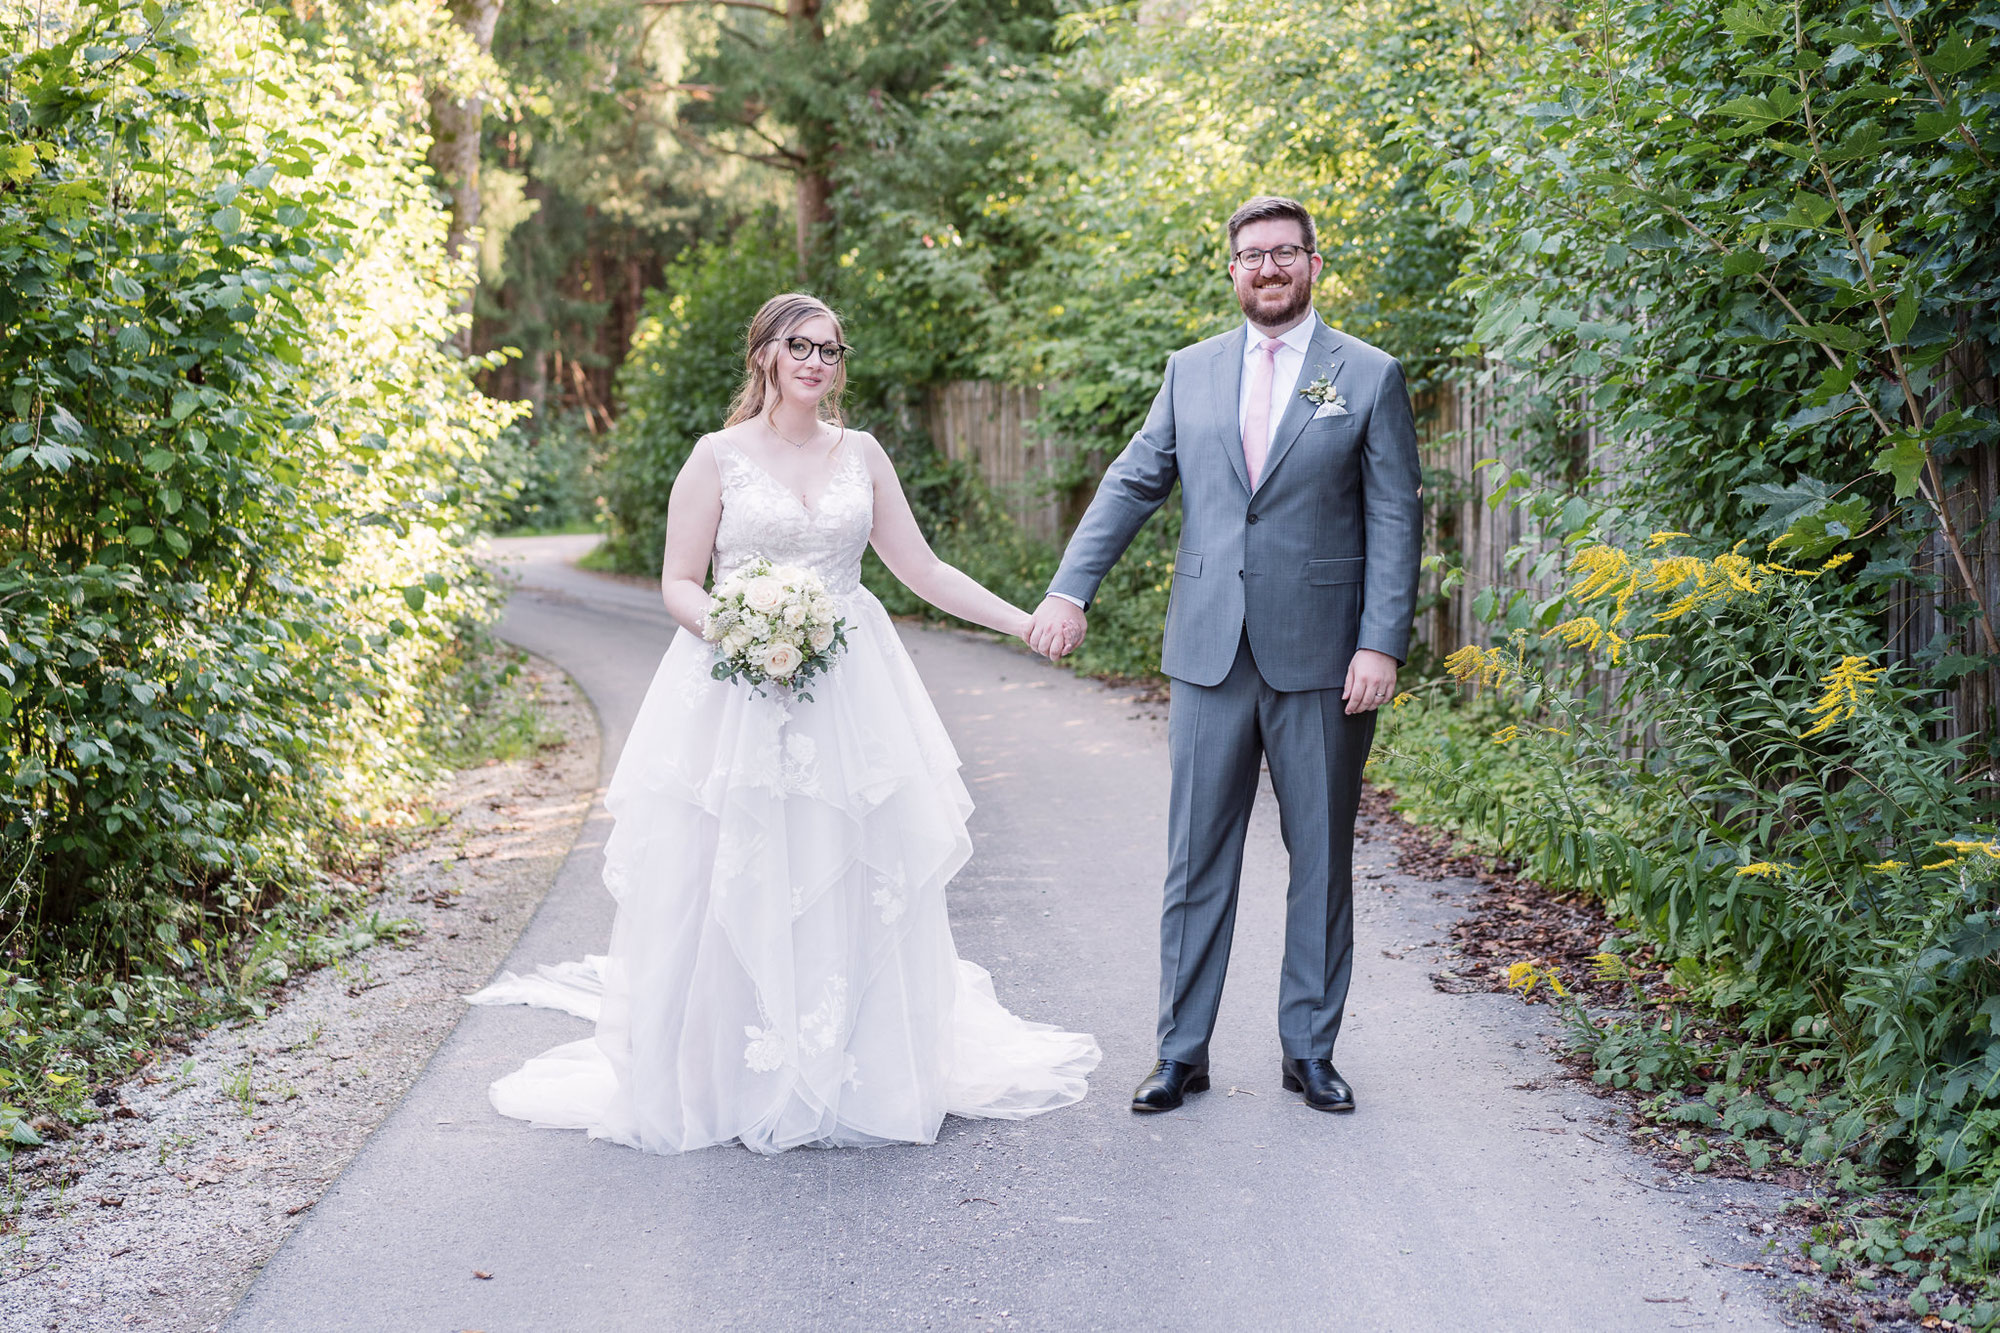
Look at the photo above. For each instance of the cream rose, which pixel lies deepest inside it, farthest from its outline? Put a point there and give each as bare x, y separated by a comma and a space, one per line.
763, 594
735, 641
824, 611
780, 660
821, 636
795, 614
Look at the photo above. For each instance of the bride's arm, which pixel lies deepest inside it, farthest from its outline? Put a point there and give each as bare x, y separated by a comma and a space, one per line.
693, 512
901, 544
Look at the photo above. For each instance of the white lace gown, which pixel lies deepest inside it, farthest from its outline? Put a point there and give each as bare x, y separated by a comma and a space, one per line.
781, 969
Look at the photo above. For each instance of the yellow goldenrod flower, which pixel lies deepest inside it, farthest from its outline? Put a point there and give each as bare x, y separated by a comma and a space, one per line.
1582, 632
1506, 735
1737, 569
1764, 868
1835, 563
1401, 699
1991, 849
1660, 539
1479, 666
1585, 632
1641, 638
1667, 574
1607, 572
1888, 867
1944, 864
1846, 686
1703, 583
1524, 976
1609, 966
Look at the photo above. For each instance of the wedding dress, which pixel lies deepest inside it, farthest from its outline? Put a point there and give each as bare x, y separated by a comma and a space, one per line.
781, 969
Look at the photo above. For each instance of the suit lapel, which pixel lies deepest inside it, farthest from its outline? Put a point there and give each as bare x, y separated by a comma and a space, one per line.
1319, 363
1229, 380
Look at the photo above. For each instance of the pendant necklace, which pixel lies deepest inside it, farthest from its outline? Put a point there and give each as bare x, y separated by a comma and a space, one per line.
772, 422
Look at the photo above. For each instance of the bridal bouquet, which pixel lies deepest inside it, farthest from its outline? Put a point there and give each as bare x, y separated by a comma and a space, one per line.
774, 625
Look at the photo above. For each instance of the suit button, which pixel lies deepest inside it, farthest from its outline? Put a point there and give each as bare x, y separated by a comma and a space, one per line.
1253, 518
1239, 573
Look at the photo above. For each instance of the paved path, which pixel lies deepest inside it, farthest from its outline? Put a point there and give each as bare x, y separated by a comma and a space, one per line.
1452, 1200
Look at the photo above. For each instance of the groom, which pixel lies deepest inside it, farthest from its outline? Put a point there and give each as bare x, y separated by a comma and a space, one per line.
1293, 592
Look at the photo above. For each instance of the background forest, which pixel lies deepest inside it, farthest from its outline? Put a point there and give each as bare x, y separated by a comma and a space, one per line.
1700, 302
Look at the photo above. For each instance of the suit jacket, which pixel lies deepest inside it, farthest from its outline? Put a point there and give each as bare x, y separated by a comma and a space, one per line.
1321, 560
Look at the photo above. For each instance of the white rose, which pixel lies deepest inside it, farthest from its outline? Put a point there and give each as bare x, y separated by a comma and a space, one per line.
822, 635
763, 594
824, 611
795, 615
735, 642
780, 660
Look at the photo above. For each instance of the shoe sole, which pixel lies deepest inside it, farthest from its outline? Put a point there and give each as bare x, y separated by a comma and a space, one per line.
1199, 1083
1293, 1085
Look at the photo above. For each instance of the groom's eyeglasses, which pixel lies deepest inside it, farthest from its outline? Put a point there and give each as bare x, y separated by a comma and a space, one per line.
1284, 256
803, 348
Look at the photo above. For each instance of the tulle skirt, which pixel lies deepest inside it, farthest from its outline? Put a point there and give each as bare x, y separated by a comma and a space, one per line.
781, 969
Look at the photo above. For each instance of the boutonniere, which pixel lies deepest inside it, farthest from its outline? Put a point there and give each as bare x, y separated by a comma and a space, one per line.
1325, 396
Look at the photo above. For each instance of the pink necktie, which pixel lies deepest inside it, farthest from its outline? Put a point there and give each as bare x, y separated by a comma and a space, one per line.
1257, 421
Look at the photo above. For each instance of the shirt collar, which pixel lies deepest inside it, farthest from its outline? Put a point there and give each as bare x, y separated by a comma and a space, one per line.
1298, 338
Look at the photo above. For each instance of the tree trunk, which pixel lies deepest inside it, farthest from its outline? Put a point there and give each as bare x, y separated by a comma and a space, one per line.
455, 143
814, 187
815, 208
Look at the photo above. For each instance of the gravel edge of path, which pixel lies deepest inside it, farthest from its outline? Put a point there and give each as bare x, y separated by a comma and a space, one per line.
160, 1216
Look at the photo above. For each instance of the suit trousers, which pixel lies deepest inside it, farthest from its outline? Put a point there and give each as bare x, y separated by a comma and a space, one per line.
1217, 738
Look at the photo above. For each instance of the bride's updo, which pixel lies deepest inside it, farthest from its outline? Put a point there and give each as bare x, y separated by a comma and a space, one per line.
781, 317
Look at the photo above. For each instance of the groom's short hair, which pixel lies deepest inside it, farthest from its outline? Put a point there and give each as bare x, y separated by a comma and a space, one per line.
1266, 206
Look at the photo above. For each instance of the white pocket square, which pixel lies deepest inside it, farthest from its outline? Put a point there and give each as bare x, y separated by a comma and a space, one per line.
1329, 410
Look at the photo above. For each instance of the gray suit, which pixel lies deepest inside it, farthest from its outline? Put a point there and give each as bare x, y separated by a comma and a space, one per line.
1273, 592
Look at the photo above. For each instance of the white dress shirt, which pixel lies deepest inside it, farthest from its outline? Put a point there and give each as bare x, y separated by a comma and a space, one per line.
1290, 360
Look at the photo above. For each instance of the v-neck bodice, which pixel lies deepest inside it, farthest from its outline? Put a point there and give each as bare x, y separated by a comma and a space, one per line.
763, 517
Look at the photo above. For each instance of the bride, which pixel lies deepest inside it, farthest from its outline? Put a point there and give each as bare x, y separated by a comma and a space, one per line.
781, 969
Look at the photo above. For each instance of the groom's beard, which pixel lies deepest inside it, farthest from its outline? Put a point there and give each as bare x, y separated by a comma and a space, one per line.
1259, 308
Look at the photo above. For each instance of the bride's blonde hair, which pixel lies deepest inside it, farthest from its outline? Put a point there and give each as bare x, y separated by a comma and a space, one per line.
780, 318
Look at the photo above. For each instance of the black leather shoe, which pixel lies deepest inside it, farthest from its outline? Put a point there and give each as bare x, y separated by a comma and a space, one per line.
1323, 1087
1168, 1085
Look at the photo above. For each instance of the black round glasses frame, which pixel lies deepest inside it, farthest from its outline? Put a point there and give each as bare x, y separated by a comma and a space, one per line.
802, 349
1285, 255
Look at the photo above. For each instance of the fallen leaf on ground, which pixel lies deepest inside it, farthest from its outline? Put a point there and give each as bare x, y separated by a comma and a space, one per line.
482, 1274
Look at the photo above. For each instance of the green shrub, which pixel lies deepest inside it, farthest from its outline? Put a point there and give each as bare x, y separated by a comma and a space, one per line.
242, 472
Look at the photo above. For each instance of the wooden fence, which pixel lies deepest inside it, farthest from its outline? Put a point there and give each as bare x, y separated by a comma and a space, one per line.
990, 425
1462, 426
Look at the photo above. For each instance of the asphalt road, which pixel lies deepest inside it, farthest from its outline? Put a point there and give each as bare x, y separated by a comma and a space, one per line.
1453, 1199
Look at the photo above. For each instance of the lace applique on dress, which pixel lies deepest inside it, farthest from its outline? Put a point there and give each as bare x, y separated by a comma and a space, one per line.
819, 1029
889, 897
766, 1052
801, 776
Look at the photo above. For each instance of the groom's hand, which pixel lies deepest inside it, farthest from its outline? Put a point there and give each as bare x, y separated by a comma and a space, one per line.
1371, 681
1057, 629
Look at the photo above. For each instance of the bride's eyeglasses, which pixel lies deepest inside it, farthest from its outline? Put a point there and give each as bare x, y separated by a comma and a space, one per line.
803, 348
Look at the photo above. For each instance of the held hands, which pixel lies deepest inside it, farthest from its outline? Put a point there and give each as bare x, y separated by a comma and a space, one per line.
1056, 628
1371, 681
